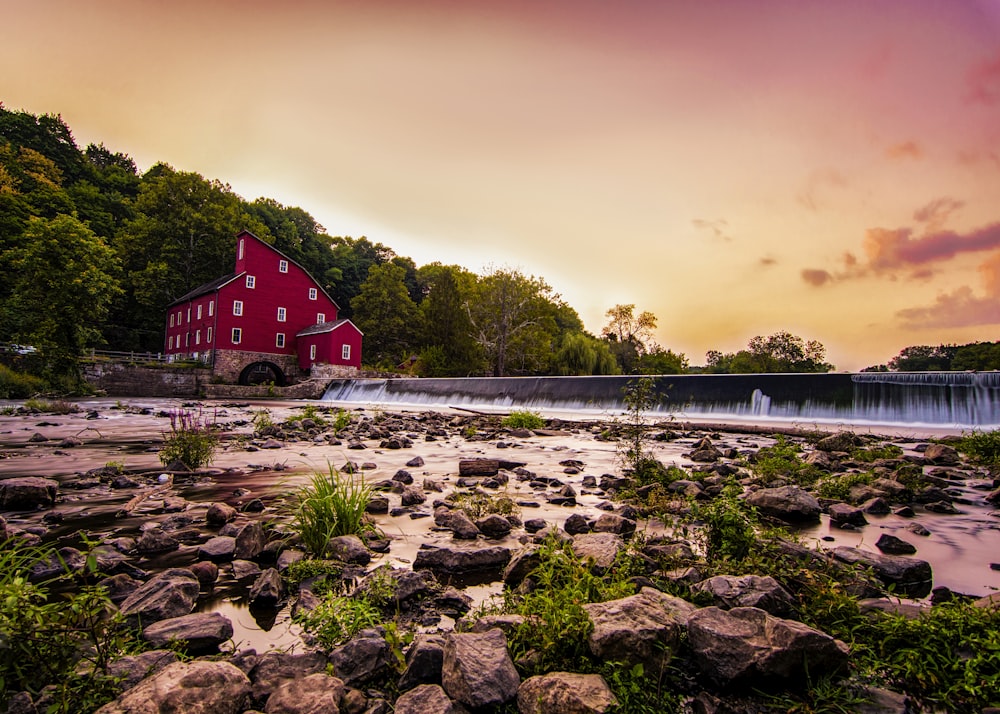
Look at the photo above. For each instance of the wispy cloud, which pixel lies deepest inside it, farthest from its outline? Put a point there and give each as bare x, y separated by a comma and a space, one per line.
767, 261
936, 213
905, 150
816, 277
983, 82
889, 250
718, 229
961, 307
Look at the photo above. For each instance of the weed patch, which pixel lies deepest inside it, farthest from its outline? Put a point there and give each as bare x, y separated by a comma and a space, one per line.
522, 419
330, 505
191, 440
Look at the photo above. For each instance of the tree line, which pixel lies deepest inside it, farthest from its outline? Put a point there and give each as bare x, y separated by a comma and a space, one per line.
94, 251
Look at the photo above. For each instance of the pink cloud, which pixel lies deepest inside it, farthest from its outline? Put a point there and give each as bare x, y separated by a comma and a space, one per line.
936, 213
905, 150
717, 228
816, 278
893, 249
962, 308
983, 82
767, 261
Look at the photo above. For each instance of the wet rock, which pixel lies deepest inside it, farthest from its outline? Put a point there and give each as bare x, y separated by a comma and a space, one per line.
460, 561
565, 693
172, 593
427, 699
910, 576
37, 438
766, 593
746, 646
820, 459
942, 455
877, 506
220, 514
361, 659
377, 505
244, 570
198, 633
423, 661
317, 693
533, 525
788, 503
65, 560
273, 668
124, 481
577, 524
415, 462
612, 523
403, 476
494, 526
643, 628
841, 441
27, 493
413, 496
218, 549
119, 587
600, 549
267, 589
457, 522
941, 507
477, 670
287, 557
199, 687
349, 549
843, 513
250, 541
894, 546
918, 529
132, 669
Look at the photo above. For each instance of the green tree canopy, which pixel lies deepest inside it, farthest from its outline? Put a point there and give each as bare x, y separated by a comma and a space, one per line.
388, 317
780, 352
449, 349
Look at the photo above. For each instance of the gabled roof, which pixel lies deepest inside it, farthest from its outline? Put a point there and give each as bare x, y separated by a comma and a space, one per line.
207, 288
321, 327
293, 262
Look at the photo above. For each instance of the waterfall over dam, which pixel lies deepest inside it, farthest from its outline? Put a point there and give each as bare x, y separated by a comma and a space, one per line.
953, 399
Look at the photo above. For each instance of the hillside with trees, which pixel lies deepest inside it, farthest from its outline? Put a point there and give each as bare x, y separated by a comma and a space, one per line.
96, 251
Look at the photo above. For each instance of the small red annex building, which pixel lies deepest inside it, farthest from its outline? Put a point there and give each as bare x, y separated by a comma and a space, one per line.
267, 321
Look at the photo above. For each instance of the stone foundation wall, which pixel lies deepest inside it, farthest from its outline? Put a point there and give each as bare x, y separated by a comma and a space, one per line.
307, 389
118, 379
230, 363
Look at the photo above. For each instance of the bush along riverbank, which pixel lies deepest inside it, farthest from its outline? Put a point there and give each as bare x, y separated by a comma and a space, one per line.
660, 587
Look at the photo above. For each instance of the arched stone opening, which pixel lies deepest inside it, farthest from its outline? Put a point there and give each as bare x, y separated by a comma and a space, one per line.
262, 373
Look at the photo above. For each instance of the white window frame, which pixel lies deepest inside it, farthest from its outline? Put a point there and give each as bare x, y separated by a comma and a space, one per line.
189, 314
313, 293
197, 337
282, 314
170, 342
211, 307
180, 317
187, 339
320, 318
251, 282
282, 266
240, 256
237, 335
238, 308
171, 319
208, 335
312, 351
345, 352
279, 340
198, 312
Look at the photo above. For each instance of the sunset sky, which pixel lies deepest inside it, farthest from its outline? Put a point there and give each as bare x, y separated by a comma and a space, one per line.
736, 167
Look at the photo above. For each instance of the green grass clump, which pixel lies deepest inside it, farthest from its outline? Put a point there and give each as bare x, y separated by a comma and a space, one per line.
476, 504
523, 419
782, 461
330, 505
839, 487
191, 440
981, 446
50, 406
336, 619
868, 454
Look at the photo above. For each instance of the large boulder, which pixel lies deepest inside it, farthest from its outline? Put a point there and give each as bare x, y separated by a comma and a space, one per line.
600, 549
423, 661
477, 669
197, 633
361, 659
171, 593
273, 668
729, 591
461, 561
25, 493
746, 646
910, 577
565, 693
317, 693
788, 503
267, 590
349, 549
643, 628
190, 687
941, 455
132, 669
841, 441
250, 541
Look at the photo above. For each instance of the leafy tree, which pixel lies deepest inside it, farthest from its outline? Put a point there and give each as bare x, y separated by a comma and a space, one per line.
661, 361
352, 259
581, 354
923, 358
512, 320
979, 356
64, 282
385, 313
449, 347
629, 335
780, 352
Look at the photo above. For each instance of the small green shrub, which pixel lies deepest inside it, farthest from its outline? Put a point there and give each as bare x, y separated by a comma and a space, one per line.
782, 460
523, 419
981, 446
730, 526
477, 504
50, 406
341, 421
330, 505
336, 619
262, 420
839, 487
325, 574
191, 440
868, 454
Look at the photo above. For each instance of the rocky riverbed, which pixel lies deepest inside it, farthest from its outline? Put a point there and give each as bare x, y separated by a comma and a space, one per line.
197, 557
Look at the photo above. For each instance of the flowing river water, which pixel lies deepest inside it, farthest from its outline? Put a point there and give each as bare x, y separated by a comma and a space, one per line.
960, 547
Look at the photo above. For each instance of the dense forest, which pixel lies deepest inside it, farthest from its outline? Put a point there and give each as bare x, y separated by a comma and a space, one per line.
93, 252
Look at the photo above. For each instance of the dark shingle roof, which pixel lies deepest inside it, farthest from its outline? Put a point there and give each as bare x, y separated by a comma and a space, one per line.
206, 288
322, 327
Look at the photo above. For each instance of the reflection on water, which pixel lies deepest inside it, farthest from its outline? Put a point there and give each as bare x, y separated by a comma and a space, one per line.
259, 629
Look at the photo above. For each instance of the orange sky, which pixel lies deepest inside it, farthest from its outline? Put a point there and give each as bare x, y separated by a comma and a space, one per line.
737, 168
